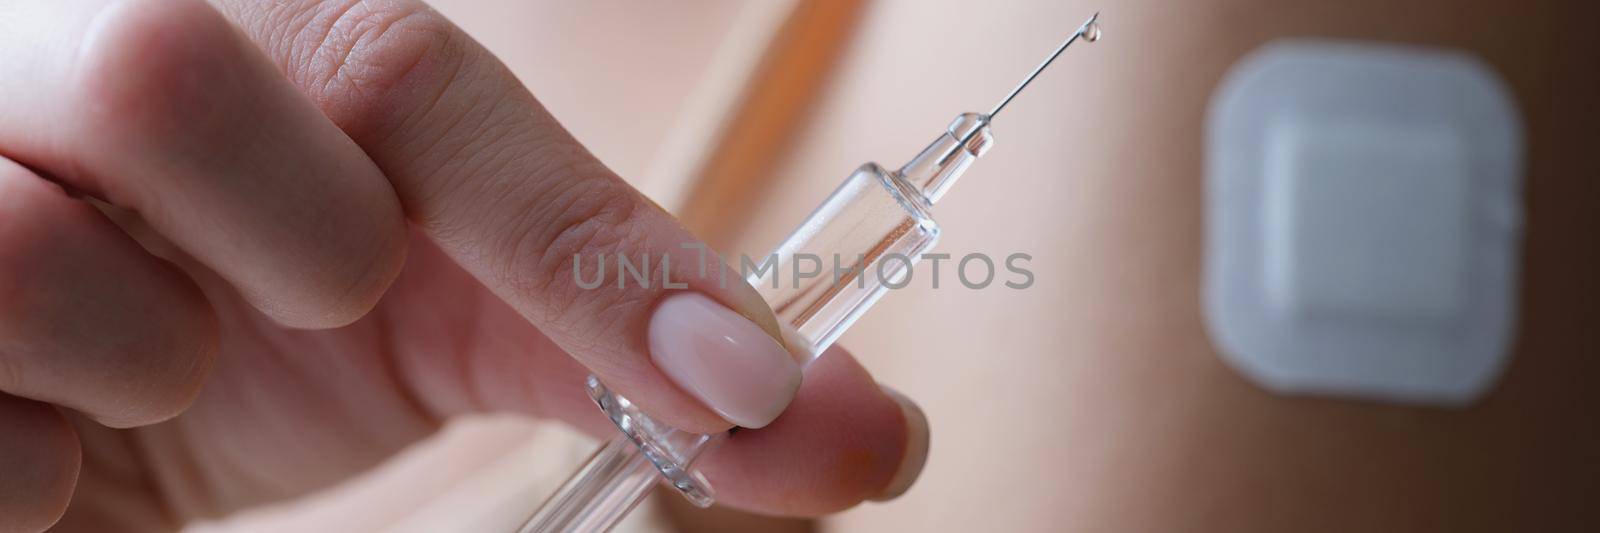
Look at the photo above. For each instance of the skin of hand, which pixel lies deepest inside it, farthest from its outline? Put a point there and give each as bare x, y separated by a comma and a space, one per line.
248, 249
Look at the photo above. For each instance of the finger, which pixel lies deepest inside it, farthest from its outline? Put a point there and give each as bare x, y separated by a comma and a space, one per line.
162, 107
843, 440
39, 459
507, 193
88, 319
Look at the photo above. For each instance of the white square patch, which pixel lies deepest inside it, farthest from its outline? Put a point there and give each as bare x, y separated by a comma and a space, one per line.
1363, 221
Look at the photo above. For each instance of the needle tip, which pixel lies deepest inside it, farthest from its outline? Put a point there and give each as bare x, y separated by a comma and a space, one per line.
1089, 31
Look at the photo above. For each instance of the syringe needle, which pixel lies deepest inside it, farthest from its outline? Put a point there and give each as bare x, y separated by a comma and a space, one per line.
1089, 31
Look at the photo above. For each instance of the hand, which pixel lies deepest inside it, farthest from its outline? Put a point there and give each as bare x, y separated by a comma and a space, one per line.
247, 250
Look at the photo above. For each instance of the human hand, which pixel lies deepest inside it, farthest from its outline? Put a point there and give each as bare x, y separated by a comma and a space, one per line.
204, 214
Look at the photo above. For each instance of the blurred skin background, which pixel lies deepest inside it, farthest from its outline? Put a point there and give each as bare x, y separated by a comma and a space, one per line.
1094, 400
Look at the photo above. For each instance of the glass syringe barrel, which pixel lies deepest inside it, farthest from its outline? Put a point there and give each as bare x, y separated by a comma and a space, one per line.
861, 241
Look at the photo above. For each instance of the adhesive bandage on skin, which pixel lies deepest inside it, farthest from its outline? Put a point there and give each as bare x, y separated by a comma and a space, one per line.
1363, 219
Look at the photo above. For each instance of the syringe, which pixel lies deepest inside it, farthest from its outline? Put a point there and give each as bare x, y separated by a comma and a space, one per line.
874, 216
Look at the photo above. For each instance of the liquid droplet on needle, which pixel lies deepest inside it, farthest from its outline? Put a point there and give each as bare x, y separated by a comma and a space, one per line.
1089, 31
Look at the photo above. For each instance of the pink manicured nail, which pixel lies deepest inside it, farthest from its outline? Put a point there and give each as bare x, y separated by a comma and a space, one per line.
916, 447
723, 359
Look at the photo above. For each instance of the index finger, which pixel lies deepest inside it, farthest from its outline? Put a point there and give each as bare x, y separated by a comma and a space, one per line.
479, 164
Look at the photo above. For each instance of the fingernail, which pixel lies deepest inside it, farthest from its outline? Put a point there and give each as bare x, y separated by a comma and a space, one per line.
916, 448
723, 359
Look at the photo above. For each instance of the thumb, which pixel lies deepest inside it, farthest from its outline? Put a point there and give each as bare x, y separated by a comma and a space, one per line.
512, 197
